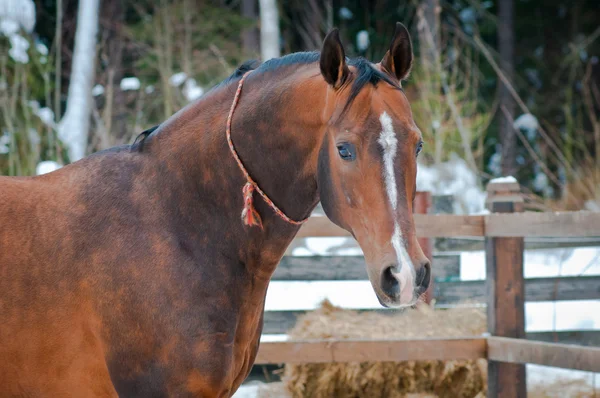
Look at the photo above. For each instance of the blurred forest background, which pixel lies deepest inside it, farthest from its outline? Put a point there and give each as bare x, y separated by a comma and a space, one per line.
499, 87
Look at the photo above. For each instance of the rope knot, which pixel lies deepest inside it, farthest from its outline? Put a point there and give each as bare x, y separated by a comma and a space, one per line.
249, 214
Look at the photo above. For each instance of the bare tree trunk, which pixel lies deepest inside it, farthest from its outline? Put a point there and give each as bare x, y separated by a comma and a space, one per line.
116, 109
429, 42
73, 128
269, 29
506, 44
250, 39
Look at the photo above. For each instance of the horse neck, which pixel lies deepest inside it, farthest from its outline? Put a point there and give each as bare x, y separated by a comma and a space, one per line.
277, 129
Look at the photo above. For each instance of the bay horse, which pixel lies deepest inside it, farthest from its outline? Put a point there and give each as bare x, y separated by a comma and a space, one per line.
130, 272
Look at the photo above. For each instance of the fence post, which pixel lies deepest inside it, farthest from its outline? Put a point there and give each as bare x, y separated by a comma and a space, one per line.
505, 291
423, 206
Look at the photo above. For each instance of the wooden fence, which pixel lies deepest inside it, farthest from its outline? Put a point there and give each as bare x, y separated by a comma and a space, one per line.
504, 234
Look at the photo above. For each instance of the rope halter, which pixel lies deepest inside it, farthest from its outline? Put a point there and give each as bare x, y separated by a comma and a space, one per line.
249, 214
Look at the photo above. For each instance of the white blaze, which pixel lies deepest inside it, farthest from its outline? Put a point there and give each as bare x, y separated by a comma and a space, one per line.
389, 143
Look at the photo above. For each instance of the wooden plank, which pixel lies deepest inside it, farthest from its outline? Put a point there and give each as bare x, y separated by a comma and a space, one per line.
577, 337
576, 223
326, 351
348, 268
448, 225
505, 287
520, 351
443, 245
529, 224
427, 226
318, 226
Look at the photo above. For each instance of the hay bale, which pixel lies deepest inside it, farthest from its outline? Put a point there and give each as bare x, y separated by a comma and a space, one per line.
456, 379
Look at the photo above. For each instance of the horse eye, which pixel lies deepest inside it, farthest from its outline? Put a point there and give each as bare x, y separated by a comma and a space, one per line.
347, 151
419, 148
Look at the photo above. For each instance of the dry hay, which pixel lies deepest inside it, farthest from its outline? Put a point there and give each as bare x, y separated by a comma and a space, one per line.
444, 379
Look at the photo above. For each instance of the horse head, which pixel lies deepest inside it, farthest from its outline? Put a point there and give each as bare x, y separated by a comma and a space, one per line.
367, 165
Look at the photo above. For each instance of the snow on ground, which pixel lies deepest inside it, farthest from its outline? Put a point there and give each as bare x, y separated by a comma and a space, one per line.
455, 178
130, 83
47, 166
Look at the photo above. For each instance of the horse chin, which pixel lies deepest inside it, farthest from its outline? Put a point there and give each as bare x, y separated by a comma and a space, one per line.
394, 302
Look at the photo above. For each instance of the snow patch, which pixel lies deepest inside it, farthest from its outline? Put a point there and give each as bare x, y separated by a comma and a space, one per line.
46, 166
345, 13
41, 48
526, 122
19, 12
592, 205
98, 89
454, 178
191, 90
130, 83
8, 27
5, 143
18, 50
177, 79
504, 179
46, 115
362, 40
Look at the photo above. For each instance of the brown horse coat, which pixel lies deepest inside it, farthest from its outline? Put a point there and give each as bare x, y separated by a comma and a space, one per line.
129, 273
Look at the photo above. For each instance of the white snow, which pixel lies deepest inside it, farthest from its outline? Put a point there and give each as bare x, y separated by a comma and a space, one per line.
455, 178
98, 89
8, 27
19, 12
249, 390
362, 40
18, 48
592, 205
191, 90
504, 179
41, 48
177, 79
345, 13
149, 89
47, 116
46, 166
130, 83
284, 295
539, 263
526, 122
5, 143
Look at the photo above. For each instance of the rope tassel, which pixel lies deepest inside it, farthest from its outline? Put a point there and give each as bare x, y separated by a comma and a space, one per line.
249, 214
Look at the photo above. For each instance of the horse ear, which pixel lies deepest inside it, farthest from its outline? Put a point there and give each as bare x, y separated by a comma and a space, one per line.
333, 60
397, 61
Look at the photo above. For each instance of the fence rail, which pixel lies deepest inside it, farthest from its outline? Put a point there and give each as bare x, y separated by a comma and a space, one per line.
530, 224
503, 349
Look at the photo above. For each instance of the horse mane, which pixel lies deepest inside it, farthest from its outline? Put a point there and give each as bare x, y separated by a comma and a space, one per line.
365, 74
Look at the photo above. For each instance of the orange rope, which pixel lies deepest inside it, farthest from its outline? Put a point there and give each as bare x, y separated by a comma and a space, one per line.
249, 214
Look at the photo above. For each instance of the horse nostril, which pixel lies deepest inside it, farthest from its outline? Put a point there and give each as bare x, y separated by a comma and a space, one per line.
424, 276
389, 283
